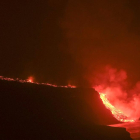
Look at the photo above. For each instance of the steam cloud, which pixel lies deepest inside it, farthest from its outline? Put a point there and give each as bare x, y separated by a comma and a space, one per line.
119, 92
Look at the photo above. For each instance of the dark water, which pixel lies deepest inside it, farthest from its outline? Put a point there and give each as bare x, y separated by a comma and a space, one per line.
132, 128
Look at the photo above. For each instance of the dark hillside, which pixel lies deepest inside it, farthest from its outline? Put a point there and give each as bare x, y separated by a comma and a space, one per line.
29, 111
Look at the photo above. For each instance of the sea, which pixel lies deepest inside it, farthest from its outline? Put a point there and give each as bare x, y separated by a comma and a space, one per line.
132, 128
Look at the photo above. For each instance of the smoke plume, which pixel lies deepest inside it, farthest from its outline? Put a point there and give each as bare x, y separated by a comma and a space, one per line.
119, 91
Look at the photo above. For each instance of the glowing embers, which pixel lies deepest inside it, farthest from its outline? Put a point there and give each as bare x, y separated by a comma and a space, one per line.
118, 114
30, 80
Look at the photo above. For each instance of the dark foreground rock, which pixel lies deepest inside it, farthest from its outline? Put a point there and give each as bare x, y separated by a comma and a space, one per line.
29, 112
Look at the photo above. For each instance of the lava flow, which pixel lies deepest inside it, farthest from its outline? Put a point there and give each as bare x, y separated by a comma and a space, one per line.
30, 80
117, 95
118, 114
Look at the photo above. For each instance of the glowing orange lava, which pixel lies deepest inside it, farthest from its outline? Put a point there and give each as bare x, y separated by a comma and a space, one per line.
30, 80
118, 114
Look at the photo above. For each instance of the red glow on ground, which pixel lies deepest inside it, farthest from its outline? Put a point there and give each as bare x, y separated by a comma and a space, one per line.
30, 80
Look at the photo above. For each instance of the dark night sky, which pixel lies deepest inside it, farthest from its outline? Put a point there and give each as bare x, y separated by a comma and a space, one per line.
61, 41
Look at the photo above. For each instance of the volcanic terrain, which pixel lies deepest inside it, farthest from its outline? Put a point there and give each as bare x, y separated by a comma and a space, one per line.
29, 111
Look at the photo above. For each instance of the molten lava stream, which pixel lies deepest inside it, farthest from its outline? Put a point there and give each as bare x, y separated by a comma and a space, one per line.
118, 114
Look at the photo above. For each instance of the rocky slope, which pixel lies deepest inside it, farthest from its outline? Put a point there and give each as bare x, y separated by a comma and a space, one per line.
29, 112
